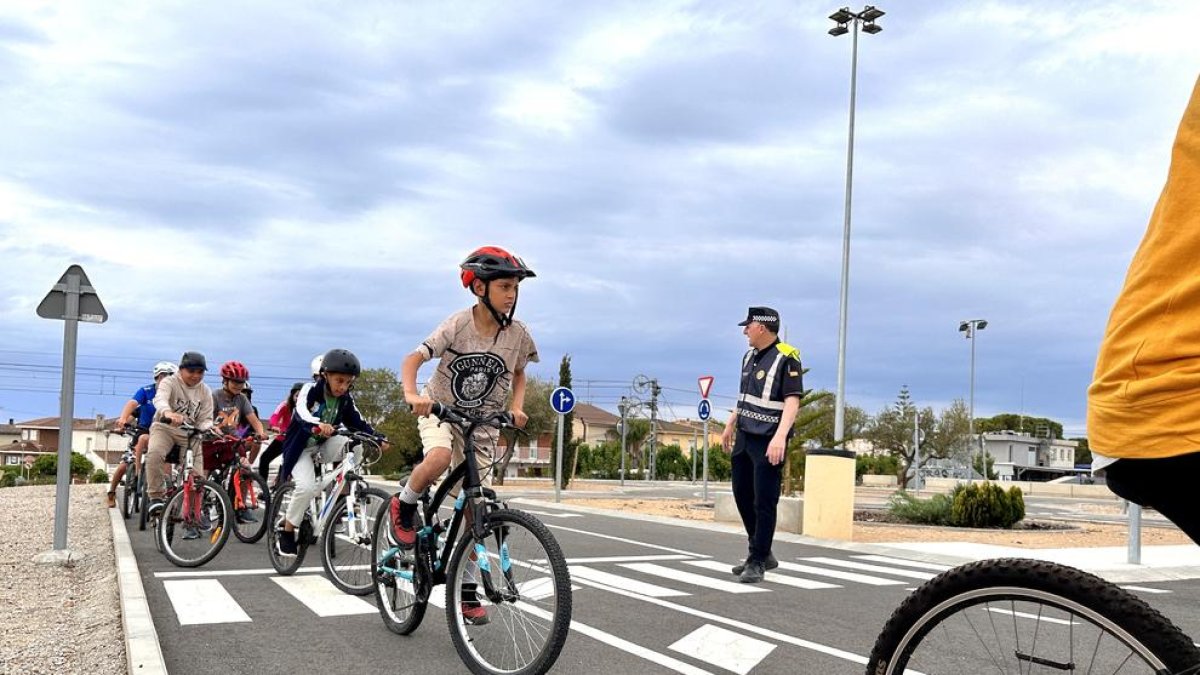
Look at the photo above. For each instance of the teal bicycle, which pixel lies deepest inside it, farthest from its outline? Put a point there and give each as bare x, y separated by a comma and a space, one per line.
508, 591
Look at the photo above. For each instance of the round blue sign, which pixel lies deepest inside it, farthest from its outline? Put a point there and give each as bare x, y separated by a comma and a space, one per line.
562, 400
705, 409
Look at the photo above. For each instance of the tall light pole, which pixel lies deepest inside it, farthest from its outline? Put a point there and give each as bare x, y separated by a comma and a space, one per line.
842, 18
968, 328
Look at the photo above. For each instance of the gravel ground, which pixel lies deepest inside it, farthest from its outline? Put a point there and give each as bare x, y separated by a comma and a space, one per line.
58, 619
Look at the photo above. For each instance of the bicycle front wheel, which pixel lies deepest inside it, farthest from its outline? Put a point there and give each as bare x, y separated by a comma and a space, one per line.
128, 494
1027, 616
191, 534
508, 597
402, 584
346, 541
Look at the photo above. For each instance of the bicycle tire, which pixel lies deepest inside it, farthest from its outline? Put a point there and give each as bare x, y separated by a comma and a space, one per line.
143, 502
127, 496
929, 630
401, 603
185, 555
346, 563
286, 565
251, 532
540, 606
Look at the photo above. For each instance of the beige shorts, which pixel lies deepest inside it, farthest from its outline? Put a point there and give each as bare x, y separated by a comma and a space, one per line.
437, 434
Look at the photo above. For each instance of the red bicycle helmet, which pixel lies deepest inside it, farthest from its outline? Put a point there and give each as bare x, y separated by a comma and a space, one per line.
234, 370
492, 262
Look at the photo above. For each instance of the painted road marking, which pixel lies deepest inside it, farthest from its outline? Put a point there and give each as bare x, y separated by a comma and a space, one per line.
723, 648
625, 558
1143, 589
553, 515
807, 584
203, 601
624, 583
1027, 615
230, 573
694, 579
850, 564
900, 561
839, 574
322, 597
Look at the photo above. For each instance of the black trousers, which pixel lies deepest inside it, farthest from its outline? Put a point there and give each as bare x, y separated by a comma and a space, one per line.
756, 485
273, 450
1166, 485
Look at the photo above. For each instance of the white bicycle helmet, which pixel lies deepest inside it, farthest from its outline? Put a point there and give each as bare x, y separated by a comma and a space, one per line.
164, 368
316, 364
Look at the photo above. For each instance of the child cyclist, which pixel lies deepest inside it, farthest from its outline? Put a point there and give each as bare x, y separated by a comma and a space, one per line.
182, 397
483, 353
143, 403
232, 414
320, 407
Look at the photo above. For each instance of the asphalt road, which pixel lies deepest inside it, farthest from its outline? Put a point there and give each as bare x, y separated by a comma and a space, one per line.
649, 598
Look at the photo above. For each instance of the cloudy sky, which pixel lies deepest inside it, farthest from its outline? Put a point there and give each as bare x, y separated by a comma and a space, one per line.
263, 181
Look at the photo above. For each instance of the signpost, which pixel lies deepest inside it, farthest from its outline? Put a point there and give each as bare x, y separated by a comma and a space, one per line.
71, 300
704, 410
563, 402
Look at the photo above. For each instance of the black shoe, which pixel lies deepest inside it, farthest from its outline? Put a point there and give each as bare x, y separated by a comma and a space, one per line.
753, 573
770, 564
287, 542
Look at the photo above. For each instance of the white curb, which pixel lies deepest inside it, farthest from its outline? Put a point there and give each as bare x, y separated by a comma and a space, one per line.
142, 651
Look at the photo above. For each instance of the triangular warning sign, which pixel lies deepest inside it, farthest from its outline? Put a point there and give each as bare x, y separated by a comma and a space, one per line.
705, 385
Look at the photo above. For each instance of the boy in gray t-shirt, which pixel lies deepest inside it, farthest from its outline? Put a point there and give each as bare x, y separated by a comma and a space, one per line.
483, 353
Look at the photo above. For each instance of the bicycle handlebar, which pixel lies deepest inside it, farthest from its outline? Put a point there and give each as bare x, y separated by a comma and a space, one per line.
501, 420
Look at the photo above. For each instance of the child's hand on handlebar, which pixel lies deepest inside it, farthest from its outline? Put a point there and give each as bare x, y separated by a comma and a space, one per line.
325, 430
173, 418
519, 418
421, 405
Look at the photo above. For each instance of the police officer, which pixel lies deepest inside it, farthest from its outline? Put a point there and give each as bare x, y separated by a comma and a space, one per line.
758, 432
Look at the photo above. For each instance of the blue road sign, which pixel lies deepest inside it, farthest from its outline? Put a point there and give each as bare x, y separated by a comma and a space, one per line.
705, 409
562, 400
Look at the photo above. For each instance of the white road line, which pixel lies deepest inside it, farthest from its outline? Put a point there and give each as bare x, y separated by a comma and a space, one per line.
621, 643
723, 648
626, 558
839, 574
1143, 589
807, 584
900, 561
624, 583
626, 541
230, 573
553, 515
850, 564
1027, 615
749, 628
694, 579
322, 597
203, 601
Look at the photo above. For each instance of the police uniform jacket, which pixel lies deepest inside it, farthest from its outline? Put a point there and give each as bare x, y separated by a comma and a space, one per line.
769, 376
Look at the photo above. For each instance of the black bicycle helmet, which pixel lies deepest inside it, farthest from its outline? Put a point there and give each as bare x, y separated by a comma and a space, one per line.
341, 361
193, 360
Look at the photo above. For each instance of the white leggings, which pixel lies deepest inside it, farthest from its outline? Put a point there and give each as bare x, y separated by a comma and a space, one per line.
304, 475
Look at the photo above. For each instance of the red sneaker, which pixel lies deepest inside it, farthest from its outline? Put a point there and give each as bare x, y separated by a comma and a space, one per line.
474, 614
402, 522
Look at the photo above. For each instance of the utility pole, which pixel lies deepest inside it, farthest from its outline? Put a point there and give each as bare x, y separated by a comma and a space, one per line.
917, 447
623, 407
655, 390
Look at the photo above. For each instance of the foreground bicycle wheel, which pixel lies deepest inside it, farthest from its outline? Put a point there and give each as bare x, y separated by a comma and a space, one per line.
1028, 616
346, 541
192, 536
286, 564
401, 601
522, 626
252, 514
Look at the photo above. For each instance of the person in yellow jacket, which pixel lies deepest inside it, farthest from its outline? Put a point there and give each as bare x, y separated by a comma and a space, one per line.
1144, 401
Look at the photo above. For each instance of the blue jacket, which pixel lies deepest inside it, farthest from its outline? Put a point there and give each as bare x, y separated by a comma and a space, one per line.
310, 405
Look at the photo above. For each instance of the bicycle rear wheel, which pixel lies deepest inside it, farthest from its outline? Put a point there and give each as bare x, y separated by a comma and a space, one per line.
1028, 616
402, 586
280, 500
251, 513
346, 541
143, 499
521, 626
191, 535
128, 493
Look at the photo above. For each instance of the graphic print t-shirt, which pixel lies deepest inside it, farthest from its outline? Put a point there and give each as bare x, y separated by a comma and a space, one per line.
475, 372
230, 411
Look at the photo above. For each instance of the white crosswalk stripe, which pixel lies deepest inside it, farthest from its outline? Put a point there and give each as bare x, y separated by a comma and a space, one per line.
904, 563
839, 574
772, 577
203, 601
866, 567
694, 579
623, 582
320, 595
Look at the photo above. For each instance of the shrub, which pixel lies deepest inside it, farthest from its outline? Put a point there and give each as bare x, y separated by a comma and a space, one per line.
932, 511
99, 476
47, 465
986, 505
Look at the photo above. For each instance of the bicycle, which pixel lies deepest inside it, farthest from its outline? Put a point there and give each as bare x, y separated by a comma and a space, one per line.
132, 489
507, 564
1028, 616
248, 492
197, 506
343, 516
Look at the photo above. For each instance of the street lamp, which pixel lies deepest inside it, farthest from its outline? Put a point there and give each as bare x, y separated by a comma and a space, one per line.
843, 18
968, 328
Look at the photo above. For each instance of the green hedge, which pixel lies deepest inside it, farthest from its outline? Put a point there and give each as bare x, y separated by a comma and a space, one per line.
968, 505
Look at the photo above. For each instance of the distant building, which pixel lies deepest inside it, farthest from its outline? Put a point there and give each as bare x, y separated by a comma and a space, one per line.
89, 437
1020, 456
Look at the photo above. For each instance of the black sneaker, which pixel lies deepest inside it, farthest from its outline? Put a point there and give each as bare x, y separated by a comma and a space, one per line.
753, 573
770, 564
287, 542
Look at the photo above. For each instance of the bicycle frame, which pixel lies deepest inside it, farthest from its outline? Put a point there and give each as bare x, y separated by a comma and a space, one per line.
322, 504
